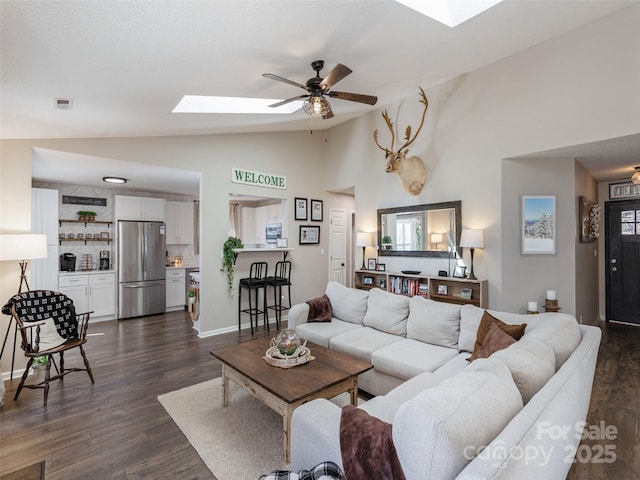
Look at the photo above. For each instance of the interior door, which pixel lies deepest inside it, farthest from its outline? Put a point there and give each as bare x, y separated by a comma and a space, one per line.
337, 245
622, 252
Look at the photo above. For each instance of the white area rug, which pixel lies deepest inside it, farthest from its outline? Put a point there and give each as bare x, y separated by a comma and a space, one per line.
243, 440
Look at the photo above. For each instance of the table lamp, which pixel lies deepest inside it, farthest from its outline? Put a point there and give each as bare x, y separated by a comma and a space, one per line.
363, 239
436, 238
472, 239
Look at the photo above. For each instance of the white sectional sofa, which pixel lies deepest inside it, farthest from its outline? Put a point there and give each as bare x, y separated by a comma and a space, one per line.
495, 417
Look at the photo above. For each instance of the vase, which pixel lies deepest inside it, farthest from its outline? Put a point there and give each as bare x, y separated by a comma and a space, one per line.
287, 342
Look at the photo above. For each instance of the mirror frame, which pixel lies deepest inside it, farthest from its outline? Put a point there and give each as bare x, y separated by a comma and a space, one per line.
457, 211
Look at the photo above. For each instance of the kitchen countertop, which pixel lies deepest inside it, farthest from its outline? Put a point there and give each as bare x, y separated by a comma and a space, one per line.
82, 272
172, 267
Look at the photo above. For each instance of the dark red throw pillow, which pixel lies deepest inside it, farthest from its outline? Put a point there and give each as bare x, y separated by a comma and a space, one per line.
319, 309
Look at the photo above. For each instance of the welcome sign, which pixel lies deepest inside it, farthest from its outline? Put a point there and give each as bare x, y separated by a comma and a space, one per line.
259, 179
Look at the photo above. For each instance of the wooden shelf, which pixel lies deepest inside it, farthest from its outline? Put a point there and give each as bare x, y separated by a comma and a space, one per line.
85, 240
409, 285
96, 222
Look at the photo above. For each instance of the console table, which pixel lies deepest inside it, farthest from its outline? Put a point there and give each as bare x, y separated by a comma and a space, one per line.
443, 289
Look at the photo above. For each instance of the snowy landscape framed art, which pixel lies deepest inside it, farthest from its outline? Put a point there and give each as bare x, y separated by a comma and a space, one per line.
538, 224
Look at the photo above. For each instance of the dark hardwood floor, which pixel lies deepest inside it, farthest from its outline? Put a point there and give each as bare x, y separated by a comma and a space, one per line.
116, 429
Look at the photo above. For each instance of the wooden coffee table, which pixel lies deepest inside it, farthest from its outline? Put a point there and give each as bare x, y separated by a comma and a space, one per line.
284, 389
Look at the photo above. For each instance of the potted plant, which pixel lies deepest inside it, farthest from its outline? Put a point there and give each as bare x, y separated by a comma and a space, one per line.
86, 216
387, 242
228, 258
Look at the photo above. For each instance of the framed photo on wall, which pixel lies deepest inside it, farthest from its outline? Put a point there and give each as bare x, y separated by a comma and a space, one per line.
301, 208
316, 210
538, 224
309, 234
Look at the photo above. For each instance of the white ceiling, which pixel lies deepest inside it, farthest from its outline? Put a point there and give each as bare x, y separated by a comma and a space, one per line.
126, 64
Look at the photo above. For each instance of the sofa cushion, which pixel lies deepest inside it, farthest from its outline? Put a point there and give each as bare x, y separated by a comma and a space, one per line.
433, 322
531, 363
347, 304
381, 407
412, 387
561, 332
495, 339
408, 358
453, 366
362, 342
387, 312
321, 333
319, 309
437, 432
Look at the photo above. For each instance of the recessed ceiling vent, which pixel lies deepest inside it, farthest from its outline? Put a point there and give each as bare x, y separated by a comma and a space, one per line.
64, 103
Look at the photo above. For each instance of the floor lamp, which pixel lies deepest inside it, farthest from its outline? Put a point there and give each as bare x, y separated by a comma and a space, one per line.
363, 239
472, 239
20, 247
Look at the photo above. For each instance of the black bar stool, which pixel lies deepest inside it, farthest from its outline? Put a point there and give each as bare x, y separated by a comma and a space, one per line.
255, 282
281, 278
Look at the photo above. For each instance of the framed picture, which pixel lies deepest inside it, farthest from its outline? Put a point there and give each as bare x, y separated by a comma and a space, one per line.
301, 208
383, 283
442, 289
316, 210
371, 263
309, 234
465, 293
281, 242
104, 235
381, 267
459, 271
538, 225
273, 231
367, 280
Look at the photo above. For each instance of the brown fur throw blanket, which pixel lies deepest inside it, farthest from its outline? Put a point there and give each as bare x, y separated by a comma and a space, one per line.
319, 309
367, 447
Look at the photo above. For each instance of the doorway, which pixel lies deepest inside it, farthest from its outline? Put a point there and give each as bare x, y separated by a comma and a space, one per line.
622, 257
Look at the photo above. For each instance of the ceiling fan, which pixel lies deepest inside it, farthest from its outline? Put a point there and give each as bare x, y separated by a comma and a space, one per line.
315, 104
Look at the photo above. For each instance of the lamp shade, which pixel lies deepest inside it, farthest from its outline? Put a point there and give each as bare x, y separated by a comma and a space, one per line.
22, 246
471, 238
363, 239
436, 238
635, 178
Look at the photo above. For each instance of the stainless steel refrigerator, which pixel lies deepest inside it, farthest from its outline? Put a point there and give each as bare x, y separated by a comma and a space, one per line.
141, 268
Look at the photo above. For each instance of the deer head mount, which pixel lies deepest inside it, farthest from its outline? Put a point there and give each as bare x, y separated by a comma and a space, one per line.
411, 171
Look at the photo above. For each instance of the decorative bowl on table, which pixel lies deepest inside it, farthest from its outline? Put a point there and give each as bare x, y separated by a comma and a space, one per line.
286, 351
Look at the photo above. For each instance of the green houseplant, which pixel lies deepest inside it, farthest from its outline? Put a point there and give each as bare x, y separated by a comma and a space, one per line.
387, 242
228, 258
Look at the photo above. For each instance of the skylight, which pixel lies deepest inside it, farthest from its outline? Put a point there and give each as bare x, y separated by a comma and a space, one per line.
207, 104
450, 12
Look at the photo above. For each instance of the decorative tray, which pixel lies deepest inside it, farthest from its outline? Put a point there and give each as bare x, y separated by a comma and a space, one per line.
411, 272
301, 356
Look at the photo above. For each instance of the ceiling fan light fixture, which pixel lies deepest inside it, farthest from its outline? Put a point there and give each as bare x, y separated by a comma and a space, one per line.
316, 106
635, 178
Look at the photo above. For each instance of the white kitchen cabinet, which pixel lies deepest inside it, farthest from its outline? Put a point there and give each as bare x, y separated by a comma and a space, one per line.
91, 291
179, 219
44, 220
140, 208
176, 289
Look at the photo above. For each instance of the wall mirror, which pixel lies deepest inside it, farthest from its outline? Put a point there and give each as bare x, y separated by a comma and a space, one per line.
258, 221
430, 230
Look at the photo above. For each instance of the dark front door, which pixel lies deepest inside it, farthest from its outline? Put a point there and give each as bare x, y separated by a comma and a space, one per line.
623, 260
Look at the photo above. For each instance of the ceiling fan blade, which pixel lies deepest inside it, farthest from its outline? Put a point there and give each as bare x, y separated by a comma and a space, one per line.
334, 76
285, 80
283, 102
354, 97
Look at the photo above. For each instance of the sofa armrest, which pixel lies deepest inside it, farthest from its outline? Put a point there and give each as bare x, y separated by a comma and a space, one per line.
315, 435
298, 313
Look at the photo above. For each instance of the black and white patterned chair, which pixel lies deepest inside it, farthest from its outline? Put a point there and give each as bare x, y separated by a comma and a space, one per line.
48, 324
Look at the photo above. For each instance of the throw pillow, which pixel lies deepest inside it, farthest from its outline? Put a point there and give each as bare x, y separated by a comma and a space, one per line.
494, 340
516, 331
319, 309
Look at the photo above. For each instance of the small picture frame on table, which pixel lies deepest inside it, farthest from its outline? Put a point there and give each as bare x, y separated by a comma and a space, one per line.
301, 209
466, 293
371, 263
459, 271
104, 235
281, 242
367, 280
381, 267
442, 290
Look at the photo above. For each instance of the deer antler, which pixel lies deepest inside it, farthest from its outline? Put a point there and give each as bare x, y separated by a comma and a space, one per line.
387, 151
407, 134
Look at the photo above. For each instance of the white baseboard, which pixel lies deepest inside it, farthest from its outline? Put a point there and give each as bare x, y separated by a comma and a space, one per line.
220, 331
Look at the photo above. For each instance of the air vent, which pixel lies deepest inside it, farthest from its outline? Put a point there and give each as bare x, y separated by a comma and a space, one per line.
63, 103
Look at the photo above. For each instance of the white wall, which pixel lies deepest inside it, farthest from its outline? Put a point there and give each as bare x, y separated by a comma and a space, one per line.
577, 88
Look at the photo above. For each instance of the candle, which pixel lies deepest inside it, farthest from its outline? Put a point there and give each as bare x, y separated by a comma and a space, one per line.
532, 306
551, 295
